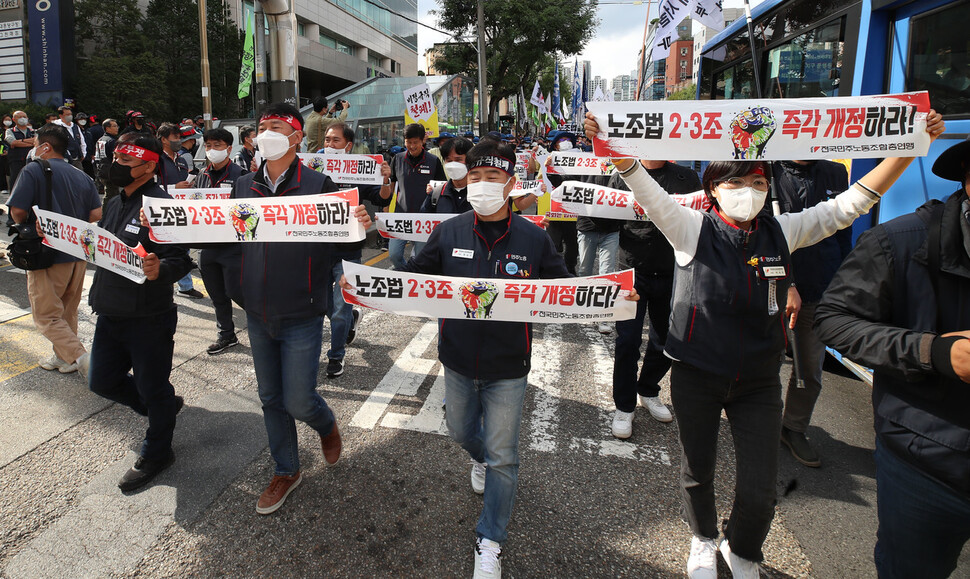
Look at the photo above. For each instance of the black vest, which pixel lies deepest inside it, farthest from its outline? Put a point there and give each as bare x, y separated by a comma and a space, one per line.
726, 316
74, 143
20, 153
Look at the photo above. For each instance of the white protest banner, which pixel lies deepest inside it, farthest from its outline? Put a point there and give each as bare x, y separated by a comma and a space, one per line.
599, 298
323, 217
350, 169
594, 201
574, 163
418, 226
91, 243
536, 97
770, 129
419, 108
197, 194
533, 187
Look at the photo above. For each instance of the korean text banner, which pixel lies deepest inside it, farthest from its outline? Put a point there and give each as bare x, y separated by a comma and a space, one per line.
572, 300
418, 226
325, 217
91, 243
197, 194
594, 201
350, 169
770, 129
569, 163
419, 108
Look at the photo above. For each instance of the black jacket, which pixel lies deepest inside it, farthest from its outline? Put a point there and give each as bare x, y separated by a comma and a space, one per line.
642, 246
597, 224
450, 201
882, 310
798, 187
487, 350
113, 295
209, 177
285, 280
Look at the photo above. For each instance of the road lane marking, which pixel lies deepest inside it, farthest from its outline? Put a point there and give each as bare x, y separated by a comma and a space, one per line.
383, 255
545, 376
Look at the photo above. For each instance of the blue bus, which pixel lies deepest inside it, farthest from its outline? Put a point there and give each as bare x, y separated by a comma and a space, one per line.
812, 48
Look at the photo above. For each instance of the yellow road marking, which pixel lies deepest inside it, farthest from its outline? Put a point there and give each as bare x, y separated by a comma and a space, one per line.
378, 259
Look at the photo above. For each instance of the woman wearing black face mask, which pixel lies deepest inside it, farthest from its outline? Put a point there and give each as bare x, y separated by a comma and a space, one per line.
136, 322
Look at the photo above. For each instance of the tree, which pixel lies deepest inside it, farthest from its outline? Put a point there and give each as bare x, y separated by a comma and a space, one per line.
522, 38
685, 94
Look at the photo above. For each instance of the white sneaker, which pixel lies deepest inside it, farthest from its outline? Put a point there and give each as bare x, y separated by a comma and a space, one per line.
478, 477
604, 329
622, 424
657, 409
740, 568
83, 364
55, 363
488, 562
702, 563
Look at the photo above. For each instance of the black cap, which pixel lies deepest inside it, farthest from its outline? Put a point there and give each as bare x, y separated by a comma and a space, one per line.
953, 164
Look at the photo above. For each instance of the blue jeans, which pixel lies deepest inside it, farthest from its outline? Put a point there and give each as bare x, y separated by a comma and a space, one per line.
395, 247
923, 524
185, 284
593, 244
341, 313
286, 355
484, 416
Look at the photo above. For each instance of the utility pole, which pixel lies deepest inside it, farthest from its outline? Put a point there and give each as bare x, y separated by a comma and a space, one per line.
755, 60
482, 87
284, 81
261, 92
206, 95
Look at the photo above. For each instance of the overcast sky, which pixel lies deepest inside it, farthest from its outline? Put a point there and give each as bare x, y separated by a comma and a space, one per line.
611, 52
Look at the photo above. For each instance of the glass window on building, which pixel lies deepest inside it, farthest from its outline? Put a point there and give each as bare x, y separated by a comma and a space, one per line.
808, 65
374, 60
939, 58
301, 28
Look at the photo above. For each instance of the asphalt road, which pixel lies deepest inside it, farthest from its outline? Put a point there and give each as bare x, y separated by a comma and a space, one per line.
399, 502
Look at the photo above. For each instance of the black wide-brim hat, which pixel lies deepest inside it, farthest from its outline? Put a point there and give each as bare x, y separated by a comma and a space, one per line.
952, 165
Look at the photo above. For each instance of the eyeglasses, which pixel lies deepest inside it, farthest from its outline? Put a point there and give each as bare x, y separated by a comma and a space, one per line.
759, 183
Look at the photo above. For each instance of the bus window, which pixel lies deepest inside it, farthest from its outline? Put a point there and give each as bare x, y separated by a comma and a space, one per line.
938, 58
808, 65
735, 82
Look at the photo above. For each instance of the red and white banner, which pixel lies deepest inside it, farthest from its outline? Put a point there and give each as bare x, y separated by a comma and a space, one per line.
599, 298
91, 243
589, 200
349, 169
769, 129
325, 217
197, 194
521, 188
418, 226
571, 163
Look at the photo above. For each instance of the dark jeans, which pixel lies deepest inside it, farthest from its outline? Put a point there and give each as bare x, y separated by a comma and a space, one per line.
753, 410
220, 269
15, 168
800, 402
563, 234
144, 346
654, 301
923, 524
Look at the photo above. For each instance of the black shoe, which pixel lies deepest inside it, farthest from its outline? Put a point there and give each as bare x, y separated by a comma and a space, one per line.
800, 448
353, 327
179, 404
335, 368
191, 293
222, 344
144, 471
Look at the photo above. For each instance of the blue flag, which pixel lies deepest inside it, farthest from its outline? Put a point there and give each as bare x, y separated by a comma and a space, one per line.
576, 111
556, 107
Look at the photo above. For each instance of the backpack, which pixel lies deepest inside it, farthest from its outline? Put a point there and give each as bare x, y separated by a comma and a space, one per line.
27, 250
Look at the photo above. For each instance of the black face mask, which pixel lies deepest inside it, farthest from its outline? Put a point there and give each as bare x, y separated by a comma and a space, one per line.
120, 175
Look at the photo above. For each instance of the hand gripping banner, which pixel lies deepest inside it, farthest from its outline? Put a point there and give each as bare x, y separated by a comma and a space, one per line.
324, 217
197, 194
91, 243
600, 298
349, 169
768, 129
418, 226
594, 201
570, 163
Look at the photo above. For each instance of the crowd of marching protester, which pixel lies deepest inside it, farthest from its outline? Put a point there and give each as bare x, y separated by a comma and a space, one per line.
724, 290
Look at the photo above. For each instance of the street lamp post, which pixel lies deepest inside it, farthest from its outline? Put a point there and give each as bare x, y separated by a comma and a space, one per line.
206, 96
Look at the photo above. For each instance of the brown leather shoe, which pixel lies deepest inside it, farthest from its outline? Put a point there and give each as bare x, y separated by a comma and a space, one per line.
275, 494
331, 445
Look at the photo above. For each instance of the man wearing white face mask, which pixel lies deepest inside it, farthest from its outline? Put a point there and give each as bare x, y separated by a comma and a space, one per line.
486, 364
77, 149
453, 196
219, 263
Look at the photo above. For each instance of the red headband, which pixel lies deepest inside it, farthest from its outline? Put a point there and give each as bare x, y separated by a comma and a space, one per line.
137, 152
288, 119
759, 170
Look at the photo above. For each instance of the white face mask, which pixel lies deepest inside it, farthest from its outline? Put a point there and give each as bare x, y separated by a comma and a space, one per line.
564, 145
82, 122
34, 154
273, 145
742, 204
216, 156
487, 197
22, 121
7, 123
456, 170
333, 151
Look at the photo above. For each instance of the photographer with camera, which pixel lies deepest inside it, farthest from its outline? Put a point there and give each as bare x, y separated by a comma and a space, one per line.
320, 120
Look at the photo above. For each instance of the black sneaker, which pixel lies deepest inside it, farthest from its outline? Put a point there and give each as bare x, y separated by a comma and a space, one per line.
179, 404
353, 327
144, 471
222, 344
192, 293
335, 368
800, 448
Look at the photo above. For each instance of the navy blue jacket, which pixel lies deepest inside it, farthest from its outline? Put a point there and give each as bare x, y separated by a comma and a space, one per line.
450, 200
487, 350
882, 310
285, 280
